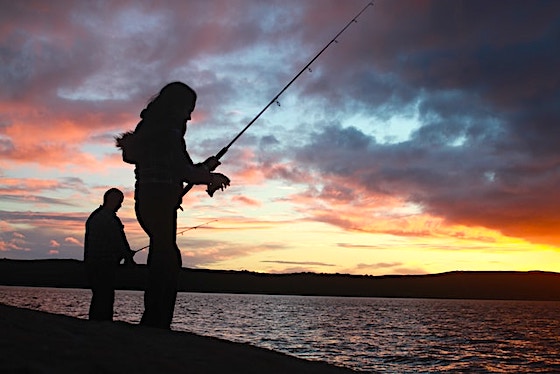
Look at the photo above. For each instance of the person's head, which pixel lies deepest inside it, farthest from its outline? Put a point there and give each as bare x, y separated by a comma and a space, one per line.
112, 199
175, 99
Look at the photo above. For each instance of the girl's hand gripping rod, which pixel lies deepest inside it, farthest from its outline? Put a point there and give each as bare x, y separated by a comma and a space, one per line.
224, 150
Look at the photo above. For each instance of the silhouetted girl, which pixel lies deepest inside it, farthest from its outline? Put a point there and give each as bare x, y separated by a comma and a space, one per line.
162, 166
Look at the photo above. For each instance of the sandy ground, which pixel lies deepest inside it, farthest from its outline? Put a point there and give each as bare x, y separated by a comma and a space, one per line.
38, 342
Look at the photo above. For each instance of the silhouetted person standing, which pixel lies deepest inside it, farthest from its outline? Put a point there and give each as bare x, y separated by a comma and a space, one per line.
105, 246
162, 166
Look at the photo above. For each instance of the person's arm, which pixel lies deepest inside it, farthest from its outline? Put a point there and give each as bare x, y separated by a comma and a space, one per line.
186, 168
127, 252
195, 173
119, 242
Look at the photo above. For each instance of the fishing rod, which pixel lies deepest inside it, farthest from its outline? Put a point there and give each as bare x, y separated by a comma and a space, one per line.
224, 150
134, 251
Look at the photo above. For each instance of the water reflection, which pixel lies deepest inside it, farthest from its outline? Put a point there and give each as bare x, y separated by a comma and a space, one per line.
368, 334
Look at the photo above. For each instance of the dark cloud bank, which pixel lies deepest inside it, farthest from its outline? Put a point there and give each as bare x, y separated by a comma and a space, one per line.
482, 78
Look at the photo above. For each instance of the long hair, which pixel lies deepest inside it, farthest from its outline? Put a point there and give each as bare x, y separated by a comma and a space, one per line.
173, 95
159, 116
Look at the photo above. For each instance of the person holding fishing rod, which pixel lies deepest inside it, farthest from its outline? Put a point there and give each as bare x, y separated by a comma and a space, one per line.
105, 246
162, 163
157, 148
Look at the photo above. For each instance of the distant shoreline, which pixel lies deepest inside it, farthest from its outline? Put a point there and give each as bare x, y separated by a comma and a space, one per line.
485, 285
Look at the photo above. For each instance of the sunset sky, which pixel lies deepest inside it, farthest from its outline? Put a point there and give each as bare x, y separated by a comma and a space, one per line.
427, 139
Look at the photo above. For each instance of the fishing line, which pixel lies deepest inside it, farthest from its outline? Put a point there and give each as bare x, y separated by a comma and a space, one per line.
224, 150
134, 251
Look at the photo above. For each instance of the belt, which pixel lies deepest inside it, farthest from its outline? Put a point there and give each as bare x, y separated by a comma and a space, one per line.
157, 180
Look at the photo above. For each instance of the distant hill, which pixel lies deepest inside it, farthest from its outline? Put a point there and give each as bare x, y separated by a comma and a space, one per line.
496, 285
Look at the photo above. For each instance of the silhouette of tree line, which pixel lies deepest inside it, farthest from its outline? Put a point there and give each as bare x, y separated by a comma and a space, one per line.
495, 285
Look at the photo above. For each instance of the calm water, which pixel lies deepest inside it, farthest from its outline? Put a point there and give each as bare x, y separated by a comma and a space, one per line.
365, 334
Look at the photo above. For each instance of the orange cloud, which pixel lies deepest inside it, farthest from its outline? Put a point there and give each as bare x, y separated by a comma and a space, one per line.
351, 207
73, 240
39, 135
17, 242
25, 185
246, 201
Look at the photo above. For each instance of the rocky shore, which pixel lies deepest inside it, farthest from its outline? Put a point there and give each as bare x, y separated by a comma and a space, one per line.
39, 342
